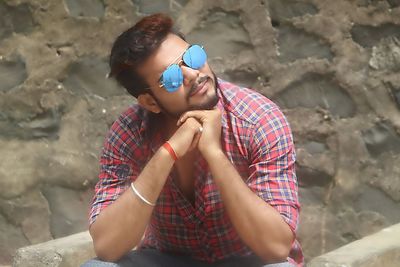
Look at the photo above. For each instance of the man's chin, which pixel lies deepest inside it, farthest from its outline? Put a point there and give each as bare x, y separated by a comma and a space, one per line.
209, 102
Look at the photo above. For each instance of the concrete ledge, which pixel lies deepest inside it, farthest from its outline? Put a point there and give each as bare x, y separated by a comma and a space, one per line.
380, 249
68, 251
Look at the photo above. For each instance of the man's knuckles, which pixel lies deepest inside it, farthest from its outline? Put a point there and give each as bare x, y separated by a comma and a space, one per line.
192, 125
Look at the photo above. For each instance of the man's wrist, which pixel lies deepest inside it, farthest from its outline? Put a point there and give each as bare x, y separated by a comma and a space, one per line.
211, 155
170, 150
164, 153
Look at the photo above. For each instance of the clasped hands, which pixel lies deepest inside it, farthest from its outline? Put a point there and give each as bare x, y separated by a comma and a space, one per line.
198, 128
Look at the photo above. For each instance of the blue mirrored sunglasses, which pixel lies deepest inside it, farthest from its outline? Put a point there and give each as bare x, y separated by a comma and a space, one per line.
172, 78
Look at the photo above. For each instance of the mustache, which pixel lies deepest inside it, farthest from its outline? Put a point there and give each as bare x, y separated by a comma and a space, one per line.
196, 84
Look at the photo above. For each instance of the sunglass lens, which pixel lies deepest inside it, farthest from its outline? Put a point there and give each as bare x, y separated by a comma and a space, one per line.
195, 57
172, 78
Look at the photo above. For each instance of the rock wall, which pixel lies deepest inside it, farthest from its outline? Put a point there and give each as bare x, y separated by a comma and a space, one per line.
331, 65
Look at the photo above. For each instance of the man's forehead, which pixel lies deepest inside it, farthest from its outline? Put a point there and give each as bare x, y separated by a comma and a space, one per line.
170, 51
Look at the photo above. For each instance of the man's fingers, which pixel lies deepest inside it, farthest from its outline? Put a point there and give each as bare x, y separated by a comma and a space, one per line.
195, 141
197, 114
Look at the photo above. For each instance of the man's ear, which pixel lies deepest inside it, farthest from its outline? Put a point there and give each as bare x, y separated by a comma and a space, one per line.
148, 102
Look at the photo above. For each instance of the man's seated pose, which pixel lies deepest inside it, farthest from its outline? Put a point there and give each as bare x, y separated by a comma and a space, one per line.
201, 172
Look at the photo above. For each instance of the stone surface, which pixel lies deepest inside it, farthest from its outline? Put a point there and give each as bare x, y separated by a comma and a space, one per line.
312, 177
394, 3
294, 44
382, 138
245, 77
319, 231
315, 164
30, 212
11, 238
380, 249
85, 8
16, 19
368, 36
12, 73
68, 210
383, 3
314, 91
169, 6
42, 125
386, 178
63, 252
88, 76
395, 93
17, 170
286, 9
386, 55
374, 200
233, 40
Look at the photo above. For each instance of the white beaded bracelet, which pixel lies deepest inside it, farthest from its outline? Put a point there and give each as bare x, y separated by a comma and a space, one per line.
141, 197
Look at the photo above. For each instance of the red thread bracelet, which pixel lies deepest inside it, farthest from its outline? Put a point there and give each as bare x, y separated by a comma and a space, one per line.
171, 151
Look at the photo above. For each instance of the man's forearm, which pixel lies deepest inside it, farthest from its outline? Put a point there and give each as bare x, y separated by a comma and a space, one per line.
258, 224
121, 225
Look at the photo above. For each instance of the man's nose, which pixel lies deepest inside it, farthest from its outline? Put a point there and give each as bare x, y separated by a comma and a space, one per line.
189, 75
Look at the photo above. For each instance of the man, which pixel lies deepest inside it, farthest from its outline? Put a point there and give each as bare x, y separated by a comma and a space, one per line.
200, 172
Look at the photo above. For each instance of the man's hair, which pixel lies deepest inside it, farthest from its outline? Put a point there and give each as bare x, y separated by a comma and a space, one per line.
134, 46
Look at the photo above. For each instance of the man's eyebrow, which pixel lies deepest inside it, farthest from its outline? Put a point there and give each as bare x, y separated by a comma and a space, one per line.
181, 55
173, 62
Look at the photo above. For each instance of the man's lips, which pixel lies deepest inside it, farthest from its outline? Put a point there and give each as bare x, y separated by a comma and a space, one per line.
199, 87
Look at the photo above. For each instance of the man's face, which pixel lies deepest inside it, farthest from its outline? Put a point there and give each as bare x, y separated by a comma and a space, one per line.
198, 90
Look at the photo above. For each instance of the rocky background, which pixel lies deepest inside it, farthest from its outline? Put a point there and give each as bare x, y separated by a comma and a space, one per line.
333, 66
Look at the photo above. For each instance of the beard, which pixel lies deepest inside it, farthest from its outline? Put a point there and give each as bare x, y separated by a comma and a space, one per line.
208, 105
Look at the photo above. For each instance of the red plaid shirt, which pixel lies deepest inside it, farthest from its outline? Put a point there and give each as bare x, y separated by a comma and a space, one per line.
255, 137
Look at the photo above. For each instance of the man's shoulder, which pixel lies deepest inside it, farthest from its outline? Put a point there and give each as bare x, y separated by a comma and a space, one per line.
126, 133
133, 115
245, 103
130, 120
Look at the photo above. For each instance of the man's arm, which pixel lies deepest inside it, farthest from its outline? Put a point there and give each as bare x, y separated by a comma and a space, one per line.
120, 226
259, 225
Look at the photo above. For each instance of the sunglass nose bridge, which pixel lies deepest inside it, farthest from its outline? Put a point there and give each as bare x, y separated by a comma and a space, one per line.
180, 63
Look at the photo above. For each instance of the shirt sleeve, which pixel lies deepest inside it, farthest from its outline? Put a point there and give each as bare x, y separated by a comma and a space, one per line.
272, 166
117, 167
